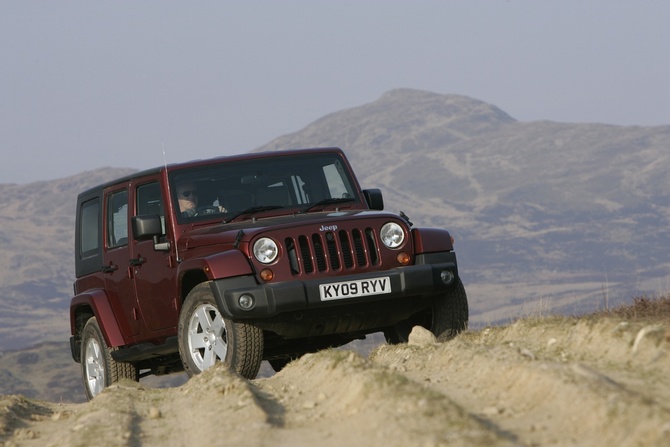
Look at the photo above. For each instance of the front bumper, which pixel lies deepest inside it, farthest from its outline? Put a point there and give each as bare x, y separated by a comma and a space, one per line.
425, 278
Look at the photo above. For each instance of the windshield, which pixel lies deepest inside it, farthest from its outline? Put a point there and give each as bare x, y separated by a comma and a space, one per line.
231, 189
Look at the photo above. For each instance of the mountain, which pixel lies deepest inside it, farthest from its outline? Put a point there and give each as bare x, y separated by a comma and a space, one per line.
545, 215
37, 257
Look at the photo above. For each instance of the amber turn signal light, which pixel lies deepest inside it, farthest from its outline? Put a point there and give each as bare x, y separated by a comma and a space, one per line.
403, 258
267, 275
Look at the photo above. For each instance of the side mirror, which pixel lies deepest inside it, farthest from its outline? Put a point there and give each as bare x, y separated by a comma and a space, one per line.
146, 227
149, 227
374, 199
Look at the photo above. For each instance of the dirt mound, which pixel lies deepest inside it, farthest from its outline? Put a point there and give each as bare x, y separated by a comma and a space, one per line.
339, 398
555, 381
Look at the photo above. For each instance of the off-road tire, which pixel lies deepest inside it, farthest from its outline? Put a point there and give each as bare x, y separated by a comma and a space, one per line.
447, 317
206, 337
98, 369
450, 313
280, 363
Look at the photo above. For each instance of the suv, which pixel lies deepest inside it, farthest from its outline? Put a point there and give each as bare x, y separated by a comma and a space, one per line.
263, 256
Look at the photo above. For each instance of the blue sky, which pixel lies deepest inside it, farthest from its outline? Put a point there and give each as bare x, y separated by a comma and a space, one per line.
86, 84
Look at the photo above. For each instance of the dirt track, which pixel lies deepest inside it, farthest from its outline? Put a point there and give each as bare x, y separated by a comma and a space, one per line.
537, 382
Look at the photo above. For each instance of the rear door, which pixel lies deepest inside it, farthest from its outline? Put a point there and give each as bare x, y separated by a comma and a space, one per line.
118, 276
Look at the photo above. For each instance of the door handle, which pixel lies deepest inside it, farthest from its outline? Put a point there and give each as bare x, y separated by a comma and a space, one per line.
109, 268
137, 261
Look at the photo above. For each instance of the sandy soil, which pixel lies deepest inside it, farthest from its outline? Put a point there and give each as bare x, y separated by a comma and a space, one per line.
545, 382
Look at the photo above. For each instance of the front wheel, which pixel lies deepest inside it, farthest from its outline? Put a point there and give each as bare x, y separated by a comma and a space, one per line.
206, 337
98, 369
450, 313
446, 318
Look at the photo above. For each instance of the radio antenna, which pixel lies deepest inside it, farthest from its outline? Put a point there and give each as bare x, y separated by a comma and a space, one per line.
169, 204
164, 157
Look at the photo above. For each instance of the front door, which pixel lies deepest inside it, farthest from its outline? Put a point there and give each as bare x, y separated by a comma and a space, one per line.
154, 271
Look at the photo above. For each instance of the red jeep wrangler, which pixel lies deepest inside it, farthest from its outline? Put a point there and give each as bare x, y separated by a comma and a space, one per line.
263, 256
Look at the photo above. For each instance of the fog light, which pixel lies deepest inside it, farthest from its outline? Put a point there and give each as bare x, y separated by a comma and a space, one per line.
446, 276
246, 301
403, 258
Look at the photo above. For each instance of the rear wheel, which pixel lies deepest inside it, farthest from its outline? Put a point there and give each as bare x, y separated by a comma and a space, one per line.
447, 317
206, 337
280, 363
98, 369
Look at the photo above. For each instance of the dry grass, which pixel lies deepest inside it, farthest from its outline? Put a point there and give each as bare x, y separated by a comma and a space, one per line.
643, 308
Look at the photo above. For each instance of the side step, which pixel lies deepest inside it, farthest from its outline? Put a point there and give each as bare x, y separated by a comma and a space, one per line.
146, 351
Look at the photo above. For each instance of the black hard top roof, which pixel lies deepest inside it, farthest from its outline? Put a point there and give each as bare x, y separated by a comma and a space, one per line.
204, 162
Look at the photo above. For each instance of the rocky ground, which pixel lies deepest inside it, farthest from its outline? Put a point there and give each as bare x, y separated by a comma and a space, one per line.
594, 381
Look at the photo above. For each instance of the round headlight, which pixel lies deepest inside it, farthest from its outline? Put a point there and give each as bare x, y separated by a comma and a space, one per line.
392, 235
266, 250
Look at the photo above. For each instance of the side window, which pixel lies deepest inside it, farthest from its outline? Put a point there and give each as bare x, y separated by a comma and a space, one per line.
149, 201
89, 232
117, 219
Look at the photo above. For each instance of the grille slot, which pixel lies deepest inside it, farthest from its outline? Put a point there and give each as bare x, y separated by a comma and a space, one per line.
359, 247
372, 247
347, 259
333, 254
318, 252
306, 254
345, 249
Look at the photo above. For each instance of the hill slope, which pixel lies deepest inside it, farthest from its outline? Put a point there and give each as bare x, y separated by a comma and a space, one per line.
545, 215
37, 257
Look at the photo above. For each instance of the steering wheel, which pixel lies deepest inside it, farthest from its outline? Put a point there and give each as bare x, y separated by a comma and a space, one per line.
206, 210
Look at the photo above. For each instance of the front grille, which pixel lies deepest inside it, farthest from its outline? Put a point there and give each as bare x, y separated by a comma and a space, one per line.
332, 251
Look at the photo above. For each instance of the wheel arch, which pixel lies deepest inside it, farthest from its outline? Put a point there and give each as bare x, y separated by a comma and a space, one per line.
432, 240
189, 280
217, 266
95, 303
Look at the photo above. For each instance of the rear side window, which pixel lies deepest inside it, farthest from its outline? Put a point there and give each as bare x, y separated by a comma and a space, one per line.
90, 230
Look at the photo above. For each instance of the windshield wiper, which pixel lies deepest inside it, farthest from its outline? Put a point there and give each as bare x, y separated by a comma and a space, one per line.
325, 202
252, 210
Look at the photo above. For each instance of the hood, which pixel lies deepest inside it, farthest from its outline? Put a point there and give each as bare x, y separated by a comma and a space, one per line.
215, 234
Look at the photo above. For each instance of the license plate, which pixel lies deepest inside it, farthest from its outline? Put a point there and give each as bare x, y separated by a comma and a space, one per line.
353, 289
